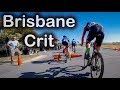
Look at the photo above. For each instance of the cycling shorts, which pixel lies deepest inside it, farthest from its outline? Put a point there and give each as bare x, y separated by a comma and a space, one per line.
65, 43
73, 44
98, 34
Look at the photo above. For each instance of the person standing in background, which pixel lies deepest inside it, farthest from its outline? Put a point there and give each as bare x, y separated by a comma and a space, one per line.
13, 47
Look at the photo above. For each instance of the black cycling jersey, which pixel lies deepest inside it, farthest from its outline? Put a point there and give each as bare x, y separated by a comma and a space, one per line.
96, 28
95, 31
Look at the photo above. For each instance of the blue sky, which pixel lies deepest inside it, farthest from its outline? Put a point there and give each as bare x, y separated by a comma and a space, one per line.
109, 20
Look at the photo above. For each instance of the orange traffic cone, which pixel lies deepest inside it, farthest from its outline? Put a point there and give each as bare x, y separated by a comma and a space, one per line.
75, 55
19, 60
59, 57
55, 57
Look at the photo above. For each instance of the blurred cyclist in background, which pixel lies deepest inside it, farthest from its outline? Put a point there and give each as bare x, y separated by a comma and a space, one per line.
73, 45
66, 43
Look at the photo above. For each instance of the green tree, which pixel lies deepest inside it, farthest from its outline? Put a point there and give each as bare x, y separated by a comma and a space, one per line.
20, 33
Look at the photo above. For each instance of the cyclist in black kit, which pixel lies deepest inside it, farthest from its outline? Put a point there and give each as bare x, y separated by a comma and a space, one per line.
95, 31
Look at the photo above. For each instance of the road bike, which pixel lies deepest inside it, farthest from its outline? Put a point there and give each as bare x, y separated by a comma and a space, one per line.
96, 63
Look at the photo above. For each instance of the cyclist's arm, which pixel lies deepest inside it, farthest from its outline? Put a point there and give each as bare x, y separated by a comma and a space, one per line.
83, 35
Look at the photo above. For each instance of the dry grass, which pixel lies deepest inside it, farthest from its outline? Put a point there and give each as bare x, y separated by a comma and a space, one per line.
110, 46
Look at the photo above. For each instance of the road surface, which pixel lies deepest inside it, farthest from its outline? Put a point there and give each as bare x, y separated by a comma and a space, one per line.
47, 68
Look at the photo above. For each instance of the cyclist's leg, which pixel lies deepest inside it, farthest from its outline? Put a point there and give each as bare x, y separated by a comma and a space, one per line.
66, 48
87, 49
74, 48
99, 40
88, 41
64, 44
69, 51
90, 37
63, 49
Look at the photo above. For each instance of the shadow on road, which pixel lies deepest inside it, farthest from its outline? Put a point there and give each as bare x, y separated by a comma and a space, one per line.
52, 62
41, 62
58, 72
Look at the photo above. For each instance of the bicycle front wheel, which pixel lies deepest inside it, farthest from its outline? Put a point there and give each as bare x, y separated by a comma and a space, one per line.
97, 66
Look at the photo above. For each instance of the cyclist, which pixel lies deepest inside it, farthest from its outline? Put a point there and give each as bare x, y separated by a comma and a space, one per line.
95, 31
73, 44
66, 43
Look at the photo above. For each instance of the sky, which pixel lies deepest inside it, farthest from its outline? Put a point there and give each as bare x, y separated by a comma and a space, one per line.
109, 20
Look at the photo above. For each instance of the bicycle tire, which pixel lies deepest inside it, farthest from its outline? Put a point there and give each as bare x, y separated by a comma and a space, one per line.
102, 65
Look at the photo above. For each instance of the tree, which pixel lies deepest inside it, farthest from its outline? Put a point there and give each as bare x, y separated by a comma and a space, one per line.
18, 32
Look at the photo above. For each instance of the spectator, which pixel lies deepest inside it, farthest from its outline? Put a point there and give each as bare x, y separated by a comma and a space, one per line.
13, 47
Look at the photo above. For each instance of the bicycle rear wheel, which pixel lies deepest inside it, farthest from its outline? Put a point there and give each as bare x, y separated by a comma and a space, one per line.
97, 66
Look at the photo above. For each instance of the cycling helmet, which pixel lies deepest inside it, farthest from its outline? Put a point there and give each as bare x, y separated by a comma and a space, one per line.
89, 24
64, 36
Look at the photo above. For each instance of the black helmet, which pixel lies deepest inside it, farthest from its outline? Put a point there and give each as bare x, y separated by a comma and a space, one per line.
90, 24
64, 36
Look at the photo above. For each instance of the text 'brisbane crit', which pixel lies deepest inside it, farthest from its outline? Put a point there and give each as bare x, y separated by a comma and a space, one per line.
36, 41
38, 22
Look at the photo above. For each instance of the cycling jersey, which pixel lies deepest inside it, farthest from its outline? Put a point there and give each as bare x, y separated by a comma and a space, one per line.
95, 31
95, 27
65, 41
73, 42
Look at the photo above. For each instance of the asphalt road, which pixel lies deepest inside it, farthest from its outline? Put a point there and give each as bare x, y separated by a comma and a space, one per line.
48, 68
